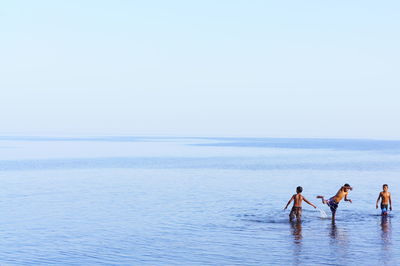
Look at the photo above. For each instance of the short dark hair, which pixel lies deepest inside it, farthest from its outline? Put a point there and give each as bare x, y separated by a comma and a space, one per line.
385, 185
346, 185
299, 189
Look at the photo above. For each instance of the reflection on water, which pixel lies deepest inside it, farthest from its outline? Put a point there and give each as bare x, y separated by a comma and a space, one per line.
145, 203
333, 232
337, 235
386, 236
339, 241
296, 229
386, 227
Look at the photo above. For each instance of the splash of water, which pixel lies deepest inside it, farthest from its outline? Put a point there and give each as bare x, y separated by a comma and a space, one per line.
322, 214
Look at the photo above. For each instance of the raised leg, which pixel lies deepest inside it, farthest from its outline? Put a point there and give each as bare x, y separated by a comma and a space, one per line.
322, 198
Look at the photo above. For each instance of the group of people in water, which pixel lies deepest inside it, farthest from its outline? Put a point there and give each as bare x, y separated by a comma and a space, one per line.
333, 203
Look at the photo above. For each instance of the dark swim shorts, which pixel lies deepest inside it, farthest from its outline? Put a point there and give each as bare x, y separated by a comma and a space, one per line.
333, 205
295, 212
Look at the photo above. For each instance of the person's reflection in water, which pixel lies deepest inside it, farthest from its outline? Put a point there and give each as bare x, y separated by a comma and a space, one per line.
339, 242
296, 229
386, 230
337, 235
333, 232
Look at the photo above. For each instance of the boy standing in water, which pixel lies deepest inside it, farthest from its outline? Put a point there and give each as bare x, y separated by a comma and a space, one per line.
333, 202
386, 199
296, 209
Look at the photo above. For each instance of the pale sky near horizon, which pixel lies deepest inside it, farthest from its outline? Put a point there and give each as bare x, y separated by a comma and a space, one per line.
200, 68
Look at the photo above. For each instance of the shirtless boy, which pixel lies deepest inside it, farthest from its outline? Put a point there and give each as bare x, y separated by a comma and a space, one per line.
385, 198
333, 202
298, 200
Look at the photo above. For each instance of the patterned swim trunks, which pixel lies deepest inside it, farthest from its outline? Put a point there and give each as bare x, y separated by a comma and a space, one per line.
295, 212
333, 205
384, 208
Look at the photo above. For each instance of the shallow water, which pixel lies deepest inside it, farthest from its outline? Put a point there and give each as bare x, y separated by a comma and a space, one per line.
193, 201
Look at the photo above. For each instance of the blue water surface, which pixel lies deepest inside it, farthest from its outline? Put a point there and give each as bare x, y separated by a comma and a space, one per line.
193, 201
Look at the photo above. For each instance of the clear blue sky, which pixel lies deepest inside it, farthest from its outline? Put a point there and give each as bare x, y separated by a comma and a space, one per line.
201, 68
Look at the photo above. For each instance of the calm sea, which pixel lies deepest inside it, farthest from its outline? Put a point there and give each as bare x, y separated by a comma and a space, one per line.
194, 201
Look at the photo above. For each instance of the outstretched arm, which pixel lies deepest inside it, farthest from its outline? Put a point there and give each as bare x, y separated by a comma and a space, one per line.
291, 199
309, 202
346, 199
377, 201
390, 201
